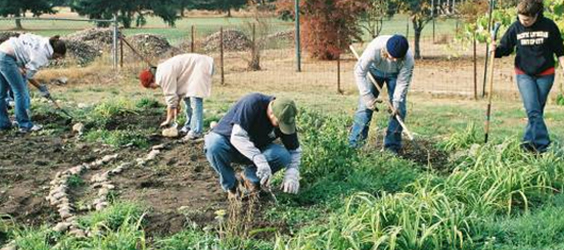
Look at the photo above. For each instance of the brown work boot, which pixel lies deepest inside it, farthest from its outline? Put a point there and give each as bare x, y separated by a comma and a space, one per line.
252, 188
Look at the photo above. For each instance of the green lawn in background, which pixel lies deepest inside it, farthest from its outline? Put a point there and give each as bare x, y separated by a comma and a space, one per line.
208, 25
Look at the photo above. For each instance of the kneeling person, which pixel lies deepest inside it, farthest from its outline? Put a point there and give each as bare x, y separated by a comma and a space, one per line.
245, 135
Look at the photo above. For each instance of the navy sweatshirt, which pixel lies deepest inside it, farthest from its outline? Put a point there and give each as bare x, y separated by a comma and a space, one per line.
536, 45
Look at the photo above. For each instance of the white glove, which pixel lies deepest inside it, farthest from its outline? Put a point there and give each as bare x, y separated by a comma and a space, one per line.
291, 182
263, 170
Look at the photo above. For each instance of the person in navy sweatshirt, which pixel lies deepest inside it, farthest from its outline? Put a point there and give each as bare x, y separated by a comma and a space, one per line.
537, 40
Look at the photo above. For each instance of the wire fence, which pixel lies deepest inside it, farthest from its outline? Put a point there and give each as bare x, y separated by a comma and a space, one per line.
447, 67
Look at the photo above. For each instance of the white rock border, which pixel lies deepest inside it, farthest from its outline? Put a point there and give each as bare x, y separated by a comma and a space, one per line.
59, 196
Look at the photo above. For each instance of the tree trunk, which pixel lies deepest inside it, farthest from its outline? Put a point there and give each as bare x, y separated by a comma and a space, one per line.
417, 40
18, 22
229, 12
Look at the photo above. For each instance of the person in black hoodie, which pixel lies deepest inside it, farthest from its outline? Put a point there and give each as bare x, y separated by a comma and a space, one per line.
537, 40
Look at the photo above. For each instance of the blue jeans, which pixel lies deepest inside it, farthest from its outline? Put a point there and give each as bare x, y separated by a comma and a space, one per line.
534, 92
363, 115
10, 77
220, 153
194, 114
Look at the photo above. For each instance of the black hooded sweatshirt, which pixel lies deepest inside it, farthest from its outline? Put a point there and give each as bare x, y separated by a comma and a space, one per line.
536, 45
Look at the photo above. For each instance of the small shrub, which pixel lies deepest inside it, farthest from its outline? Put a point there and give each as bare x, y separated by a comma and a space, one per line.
560, 99
75, 181
118, 138
147, 103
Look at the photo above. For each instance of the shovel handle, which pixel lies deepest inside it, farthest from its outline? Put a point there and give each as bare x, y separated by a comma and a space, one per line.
398, 117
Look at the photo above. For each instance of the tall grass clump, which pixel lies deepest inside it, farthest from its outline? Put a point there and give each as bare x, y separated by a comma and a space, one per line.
333, 169
33, 239
5, 229
112, 217
440, 212
427, 219
498, 178
463, 139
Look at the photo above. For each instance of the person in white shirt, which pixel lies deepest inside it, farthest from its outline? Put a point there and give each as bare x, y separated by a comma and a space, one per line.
390, 61
20, 59
185, 77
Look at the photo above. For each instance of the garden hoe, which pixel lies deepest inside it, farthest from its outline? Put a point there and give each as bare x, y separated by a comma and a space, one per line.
490, 92
58, 107
391, 107
50, 98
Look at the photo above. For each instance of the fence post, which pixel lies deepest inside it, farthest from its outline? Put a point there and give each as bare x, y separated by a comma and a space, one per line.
120, 51
433, 17
114, 42
297, 37
192, 32
339, 74
475, 70
221, 55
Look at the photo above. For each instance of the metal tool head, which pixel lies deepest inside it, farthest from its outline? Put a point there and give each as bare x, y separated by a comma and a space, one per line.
495, 30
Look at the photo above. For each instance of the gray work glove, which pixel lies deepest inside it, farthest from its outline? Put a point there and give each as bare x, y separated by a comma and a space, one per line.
291, 182
43, 91
370, 102
263, 170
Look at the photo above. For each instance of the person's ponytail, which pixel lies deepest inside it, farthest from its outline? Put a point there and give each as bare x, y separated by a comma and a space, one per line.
58, 45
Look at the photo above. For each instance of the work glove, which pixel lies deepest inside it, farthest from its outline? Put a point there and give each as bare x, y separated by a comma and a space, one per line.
43, 91
394, 111
291, 182
263, 171
371, 102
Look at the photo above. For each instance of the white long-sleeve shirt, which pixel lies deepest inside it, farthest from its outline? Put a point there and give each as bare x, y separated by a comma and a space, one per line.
186, 75
372, 56
32, 52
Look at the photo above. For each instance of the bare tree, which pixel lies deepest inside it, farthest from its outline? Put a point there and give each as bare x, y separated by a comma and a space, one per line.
372, 19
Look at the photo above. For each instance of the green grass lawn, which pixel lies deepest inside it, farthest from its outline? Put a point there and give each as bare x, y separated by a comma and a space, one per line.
209, 25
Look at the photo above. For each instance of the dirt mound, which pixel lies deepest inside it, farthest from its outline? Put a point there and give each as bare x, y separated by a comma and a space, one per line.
152, 45
98, 38
233, 40
81, 52
6, 35
282, 35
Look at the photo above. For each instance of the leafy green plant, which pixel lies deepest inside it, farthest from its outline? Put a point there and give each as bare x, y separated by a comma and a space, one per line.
147, 102
118, 138
112, 217
75, 181
560, 99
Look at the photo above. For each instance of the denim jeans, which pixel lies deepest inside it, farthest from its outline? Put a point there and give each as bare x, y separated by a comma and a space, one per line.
363, 115
10, 77
194, 114
534, 92
220, 153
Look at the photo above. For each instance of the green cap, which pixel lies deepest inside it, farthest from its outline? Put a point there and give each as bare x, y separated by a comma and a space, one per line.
285, 111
